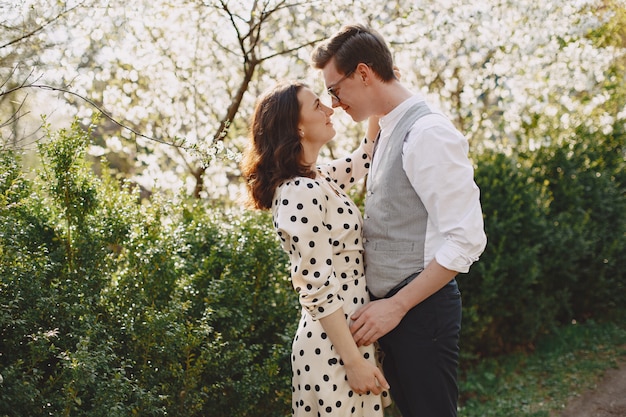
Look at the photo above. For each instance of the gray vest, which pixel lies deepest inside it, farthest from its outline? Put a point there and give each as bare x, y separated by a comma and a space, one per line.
394, 222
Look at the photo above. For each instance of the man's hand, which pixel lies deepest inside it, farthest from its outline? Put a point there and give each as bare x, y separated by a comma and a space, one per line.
375, 320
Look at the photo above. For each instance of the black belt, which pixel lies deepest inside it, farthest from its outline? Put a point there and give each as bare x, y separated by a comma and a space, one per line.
398, 287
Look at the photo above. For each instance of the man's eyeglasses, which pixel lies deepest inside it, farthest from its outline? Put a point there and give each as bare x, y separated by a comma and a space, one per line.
331, 89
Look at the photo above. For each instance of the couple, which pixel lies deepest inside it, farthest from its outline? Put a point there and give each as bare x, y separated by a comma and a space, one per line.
422, 225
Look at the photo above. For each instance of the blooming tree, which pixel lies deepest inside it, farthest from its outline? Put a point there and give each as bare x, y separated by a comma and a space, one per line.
178, 79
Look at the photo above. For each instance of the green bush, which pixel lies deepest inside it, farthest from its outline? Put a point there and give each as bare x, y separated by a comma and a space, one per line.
555, 220
586, 243
504, 305
110, 307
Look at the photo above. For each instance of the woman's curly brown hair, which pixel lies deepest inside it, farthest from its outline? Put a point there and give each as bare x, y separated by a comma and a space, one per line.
274, 153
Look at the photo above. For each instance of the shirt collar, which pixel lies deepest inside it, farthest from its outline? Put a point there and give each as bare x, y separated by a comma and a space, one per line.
391, 118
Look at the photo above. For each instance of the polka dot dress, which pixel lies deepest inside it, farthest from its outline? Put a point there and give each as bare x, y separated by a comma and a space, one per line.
320, 227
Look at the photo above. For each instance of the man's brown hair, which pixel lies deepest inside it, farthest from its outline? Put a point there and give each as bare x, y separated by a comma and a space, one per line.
352, 45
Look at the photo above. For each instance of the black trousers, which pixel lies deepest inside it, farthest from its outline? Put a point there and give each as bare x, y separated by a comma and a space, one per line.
421, 356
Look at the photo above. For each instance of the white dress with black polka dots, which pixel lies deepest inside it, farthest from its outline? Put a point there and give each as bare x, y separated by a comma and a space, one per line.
320, 227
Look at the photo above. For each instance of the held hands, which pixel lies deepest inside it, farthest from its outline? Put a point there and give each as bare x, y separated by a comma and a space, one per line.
375, 320
365, 377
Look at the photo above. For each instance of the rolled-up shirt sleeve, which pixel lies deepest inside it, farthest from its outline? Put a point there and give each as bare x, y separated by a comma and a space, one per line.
435, 160
299, 221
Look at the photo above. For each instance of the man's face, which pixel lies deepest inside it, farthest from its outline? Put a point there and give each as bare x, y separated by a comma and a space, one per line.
345, 91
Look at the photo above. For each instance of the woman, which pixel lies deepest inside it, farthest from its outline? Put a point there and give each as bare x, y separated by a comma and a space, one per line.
320, 227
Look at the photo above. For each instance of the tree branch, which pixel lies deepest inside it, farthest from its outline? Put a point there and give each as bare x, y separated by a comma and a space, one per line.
178, 143
42, 27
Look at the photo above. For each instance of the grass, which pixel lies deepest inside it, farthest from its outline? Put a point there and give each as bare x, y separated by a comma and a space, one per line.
539, 384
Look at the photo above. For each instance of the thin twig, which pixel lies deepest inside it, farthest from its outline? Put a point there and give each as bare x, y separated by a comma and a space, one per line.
42, 27
104, 113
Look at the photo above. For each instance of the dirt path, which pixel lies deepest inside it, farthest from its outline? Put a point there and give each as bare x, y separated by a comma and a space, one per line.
607, 399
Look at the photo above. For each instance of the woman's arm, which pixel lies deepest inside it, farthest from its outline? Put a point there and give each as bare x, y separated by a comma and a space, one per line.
347, 171
372, 128
299, 220
363, 375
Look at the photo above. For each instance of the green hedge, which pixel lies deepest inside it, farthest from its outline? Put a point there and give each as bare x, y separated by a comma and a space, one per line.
504, 304
113, 308
555, 221
109, 307
586, 181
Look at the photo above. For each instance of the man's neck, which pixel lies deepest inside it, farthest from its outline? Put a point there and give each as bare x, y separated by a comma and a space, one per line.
389, 96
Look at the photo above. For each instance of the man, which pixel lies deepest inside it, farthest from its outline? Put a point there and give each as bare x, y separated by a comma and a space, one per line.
422, 226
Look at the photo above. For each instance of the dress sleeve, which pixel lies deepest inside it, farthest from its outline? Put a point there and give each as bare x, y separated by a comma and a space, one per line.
299, 221
349, 170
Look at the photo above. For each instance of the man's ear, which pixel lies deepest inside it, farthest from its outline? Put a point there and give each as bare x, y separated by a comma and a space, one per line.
364, 72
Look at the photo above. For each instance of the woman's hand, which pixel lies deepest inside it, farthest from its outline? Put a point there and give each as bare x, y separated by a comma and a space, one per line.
372, 128
364, 377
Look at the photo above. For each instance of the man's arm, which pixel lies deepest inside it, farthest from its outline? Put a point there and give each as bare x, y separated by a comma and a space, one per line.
379, 317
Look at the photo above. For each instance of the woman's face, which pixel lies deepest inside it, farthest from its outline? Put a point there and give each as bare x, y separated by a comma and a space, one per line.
314, 125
